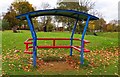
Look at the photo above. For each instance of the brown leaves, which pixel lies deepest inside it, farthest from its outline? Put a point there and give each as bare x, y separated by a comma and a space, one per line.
102, 57
16, 51
72, 61
40, 62
26, 68
96, 59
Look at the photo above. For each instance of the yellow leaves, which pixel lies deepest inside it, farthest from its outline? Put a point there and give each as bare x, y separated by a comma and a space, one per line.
96, 59
116, 73
78, 62
22, 7
105, 71
92, 25
61, 57
19, 66
102, 57
26, 68
51, 65
91, 71
76, 67
109, 27
17, 51
115, 66
100, 60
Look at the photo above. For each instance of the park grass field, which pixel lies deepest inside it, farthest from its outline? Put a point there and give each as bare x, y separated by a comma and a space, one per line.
0, 53
102, 60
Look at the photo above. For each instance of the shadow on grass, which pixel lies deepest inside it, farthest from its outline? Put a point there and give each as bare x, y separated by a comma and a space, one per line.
53, 58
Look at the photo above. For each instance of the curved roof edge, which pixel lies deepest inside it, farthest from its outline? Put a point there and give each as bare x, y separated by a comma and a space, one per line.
58, 12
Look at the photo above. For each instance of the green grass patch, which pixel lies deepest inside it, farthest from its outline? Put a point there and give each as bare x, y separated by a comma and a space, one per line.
14, 62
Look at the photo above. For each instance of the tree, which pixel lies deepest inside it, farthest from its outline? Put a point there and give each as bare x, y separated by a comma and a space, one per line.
84, 6
114, 24
45, 19
99, 24
5, 25
91, 26
18, 7
0, 24
110, 27
50, 27
22, 7
10, 18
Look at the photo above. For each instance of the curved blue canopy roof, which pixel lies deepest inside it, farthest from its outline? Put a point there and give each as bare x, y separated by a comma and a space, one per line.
59, 12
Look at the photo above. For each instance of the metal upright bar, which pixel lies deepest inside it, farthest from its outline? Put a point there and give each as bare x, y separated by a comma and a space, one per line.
34, 39
82, 41
71, 39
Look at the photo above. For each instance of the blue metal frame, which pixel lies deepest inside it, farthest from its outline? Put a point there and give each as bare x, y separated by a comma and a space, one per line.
71, 39
82, 41
34, 36
58, 12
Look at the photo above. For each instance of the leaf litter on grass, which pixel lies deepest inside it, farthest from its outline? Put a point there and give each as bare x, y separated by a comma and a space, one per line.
95, 60
53, 60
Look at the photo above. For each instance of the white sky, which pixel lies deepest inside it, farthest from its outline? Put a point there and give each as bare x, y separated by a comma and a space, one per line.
108, 8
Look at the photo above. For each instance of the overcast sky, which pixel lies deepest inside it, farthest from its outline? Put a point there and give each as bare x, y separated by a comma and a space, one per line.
108, 8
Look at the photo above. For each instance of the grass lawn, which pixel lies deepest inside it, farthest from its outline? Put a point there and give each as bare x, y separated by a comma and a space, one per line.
0, 53
102, 60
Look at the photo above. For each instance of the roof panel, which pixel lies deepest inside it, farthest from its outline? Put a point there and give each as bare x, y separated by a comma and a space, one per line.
58, 12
